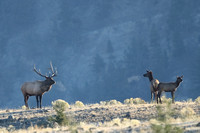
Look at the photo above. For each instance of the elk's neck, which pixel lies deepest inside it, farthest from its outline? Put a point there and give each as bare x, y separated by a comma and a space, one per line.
46, 86
150, 77
177, 83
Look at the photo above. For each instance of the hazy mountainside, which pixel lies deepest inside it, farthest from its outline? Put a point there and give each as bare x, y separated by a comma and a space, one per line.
100, 48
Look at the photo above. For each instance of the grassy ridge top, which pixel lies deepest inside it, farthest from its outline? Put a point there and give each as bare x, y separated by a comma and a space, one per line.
106, 116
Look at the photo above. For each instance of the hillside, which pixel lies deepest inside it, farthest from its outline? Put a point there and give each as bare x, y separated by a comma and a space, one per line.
97, 46
101, 118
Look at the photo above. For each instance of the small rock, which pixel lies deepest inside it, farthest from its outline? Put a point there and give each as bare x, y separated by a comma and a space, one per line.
198, 125
11, 128
128, 115
20, 119
129, 129
10, 117
39, 111
92, 129
45, 110
93, 115
43, 123
55, 125
80, 129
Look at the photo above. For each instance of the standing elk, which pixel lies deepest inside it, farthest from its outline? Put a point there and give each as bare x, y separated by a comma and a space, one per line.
38, 88
153, 84
169, 87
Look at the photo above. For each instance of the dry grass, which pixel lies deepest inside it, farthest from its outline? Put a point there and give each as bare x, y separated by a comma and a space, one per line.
197, 100
109, 116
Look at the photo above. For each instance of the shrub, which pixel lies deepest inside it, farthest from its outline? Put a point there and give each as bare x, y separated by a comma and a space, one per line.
166, 100
24, 107
135, 122
60, 106
162, 122
164, 113
11, 128
111, 102
122, 122
127, 101
102, 102
134, 101
187, 112
138, 101
79, 104
197, 100
116, 122
166, 128
189, 100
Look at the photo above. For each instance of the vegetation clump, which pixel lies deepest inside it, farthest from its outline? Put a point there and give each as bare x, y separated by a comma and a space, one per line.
134, 101
197, 100
162, 123
122, 122
166, 100
187, 112
60, 107
79, 104
132, 122
114, 102
111, 102
189, 100
24, 107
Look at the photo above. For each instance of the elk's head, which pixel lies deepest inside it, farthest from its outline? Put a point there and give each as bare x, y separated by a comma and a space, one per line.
49, 79
148, 74
179, 79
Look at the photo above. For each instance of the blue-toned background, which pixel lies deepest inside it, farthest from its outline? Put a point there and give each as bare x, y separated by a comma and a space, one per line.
101, 48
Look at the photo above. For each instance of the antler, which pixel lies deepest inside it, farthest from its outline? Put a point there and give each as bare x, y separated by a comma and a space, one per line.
148, 70
54, 73
39, 73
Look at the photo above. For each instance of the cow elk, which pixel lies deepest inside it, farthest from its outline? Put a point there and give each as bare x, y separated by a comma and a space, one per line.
153, 84
169, 87
38, 88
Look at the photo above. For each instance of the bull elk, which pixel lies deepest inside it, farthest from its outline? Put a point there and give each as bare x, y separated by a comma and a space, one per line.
153, 84
38, 88
169, 87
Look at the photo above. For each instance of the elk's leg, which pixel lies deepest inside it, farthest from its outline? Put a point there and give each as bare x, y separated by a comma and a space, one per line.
37, 100
172, 93
155, 95
151, 96
157, 98
26, 100
159, 94
40, 101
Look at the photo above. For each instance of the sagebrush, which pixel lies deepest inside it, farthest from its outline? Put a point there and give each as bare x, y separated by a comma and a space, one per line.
60, 107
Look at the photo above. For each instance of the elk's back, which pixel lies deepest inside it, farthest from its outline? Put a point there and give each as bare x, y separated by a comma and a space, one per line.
167, 87
31, 88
